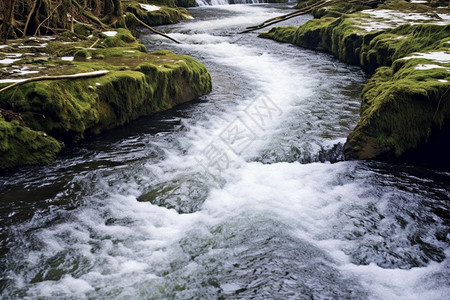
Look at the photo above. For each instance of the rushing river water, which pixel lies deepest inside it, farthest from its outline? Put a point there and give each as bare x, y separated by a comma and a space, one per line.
231, 196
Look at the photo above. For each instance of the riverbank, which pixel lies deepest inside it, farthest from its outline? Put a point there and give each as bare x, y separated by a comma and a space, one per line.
124, 82
405, 109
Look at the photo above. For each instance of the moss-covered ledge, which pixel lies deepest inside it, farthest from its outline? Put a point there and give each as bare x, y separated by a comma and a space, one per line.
157, 14
405, 105
404, 108
71, 109
39, 117
68, 110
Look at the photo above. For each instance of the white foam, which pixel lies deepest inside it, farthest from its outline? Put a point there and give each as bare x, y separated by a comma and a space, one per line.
442, 80
66, 286
139, 248
413, 284
67, 58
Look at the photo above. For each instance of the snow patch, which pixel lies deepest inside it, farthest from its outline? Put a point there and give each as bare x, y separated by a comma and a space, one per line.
110, 33
442, 80
3, 46
445, 17
442, 57
386, 18
7, 61
24, 71
14, 55
43, 38
148, 7
428, 67
11, 80
67, 58
34, 46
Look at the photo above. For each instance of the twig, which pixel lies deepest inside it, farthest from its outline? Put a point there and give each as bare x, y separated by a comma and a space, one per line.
92, 46
156, 31
304, 11
71, 76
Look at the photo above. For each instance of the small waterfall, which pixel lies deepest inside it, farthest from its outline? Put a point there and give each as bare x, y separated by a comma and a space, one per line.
228, 2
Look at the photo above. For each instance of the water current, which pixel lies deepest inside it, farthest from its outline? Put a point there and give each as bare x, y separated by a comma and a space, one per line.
240, 194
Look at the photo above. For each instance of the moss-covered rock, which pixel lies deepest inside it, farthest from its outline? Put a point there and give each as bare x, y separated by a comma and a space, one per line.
402, 108
119, 38
405, 107
82, 29
72, 108
162, 16
137, 83
21, 145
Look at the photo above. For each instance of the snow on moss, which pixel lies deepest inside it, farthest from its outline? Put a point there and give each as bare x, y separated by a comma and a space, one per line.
386, 18
439, 56
110, 33
149, 7
430, 66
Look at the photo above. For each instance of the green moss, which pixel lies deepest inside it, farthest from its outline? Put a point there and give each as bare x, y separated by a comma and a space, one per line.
122, 39
305, 3
165, 15
402, 105
22, 146
82, 29
81, 54
70, 109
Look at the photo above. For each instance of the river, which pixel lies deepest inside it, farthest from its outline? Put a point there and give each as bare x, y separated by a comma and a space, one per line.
241, 194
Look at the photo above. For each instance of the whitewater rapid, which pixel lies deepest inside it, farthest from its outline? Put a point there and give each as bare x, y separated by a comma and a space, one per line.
232, 196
